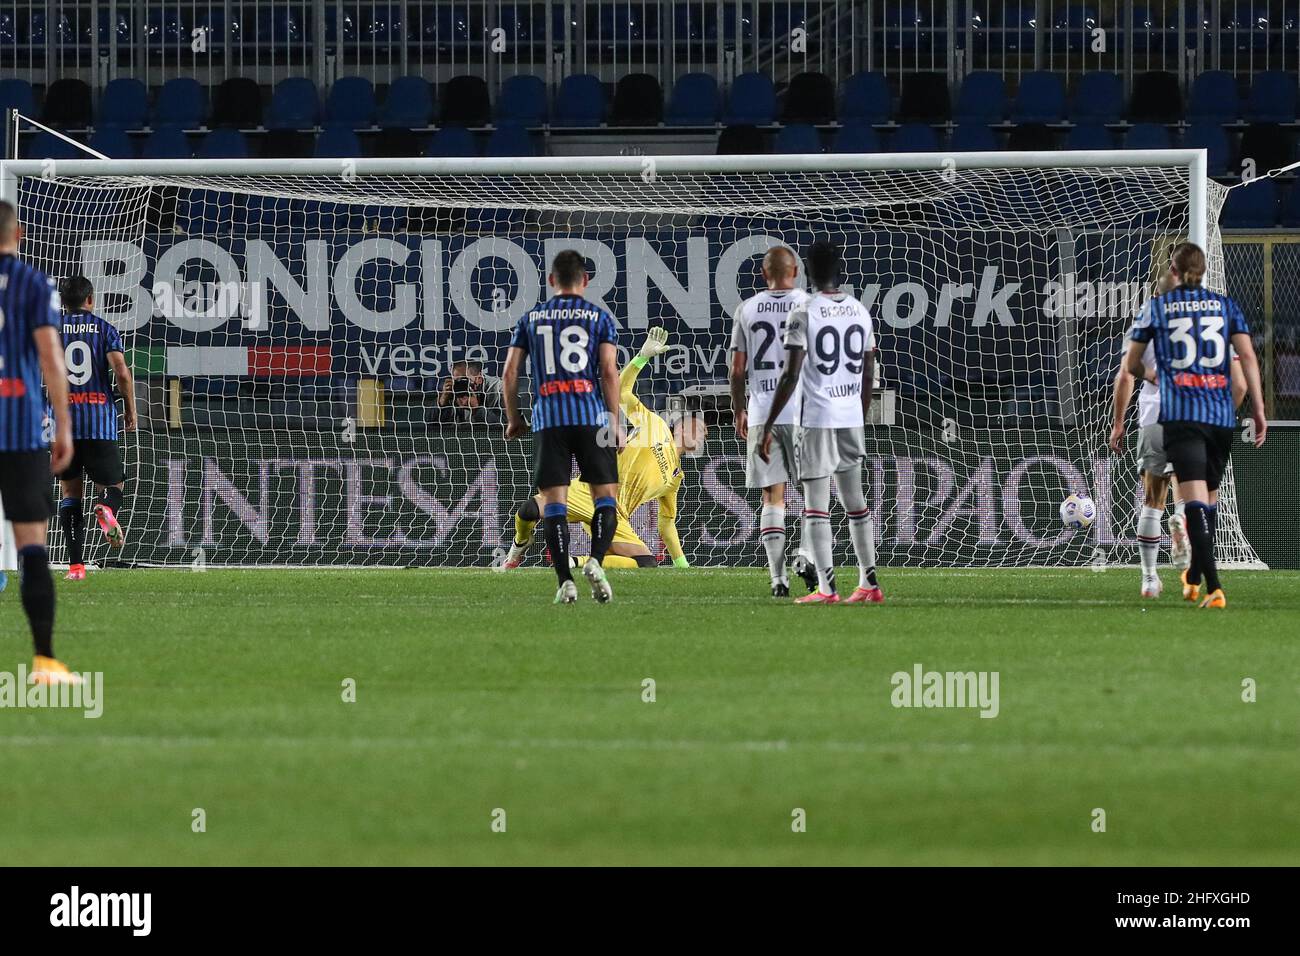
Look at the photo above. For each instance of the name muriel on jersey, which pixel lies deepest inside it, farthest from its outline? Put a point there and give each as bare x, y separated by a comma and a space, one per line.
79, 328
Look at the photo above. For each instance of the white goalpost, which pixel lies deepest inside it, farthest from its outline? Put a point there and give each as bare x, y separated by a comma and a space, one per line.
316, 342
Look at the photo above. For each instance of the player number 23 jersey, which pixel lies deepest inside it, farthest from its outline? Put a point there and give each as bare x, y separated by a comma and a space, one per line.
837, 333
758, 330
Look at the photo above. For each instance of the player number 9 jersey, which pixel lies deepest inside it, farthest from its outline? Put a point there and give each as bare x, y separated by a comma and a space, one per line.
836, 332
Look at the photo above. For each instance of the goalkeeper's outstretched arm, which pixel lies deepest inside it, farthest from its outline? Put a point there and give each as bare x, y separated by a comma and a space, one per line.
656, 343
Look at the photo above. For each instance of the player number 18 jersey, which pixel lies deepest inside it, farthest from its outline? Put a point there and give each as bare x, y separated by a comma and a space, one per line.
836, 332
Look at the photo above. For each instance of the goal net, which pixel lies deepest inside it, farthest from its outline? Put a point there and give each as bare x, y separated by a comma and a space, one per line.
317, 343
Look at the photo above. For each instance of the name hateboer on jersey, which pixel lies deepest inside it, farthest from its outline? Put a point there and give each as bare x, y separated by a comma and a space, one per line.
836, 330
758, 330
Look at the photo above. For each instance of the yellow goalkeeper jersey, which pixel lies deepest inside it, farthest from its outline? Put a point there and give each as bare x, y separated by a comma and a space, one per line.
649, 468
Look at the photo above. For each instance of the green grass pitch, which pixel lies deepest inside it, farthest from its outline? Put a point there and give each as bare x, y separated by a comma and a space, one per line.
223, 691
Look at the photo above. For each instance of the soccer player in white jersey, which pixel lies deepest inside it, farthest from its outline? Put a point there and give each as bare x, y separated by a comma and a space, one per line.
1153, 464
830, 358
757, 359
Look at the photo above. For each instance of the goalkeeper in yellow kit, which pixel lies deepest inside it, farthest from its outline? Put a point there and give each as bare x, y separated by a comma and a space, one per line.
649, 469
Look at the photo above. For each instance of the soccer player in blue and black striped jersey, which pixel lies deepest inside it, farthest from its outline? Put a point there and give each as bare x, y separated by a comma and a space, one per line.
94, 356
571, 343
29, 352
1191, 329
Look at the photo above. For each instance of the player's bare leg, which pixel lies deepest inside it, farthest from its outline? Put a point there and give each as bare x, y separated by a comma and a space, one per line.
604, 522
37, 587
106, 509
1155, 488
862, 531
72, 522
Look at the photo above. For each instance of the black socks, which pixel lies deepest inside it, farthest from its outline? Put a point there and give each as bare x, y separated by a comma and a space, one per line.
38, 596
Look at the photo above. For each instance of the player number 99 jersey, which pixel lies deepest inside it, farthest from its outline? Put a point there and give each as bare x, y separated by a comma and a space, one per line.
836, 331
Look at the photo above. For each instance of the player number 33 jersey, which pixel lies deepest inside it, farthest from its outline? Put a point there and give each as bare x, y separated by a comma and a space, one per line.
837, 333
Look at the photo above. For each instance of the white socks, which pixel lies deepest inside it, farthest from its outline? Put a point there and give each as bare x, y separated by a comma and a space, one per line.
862, 528
1148, 535
771, 531
817, 531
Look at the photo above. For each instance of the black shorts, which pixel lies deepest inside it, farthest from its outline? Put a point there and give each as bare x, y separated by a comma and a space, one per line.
557, 448
26, 488
1198, 452
98, 459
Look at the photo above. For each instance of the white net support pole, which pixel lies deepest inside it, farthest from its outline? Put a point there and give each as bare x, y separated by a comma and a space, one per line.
317, 342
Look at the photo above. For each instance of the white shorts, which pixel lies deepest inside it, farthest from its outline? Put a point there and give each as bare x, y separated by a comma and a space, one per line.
764, 474
1151, 451
821, 452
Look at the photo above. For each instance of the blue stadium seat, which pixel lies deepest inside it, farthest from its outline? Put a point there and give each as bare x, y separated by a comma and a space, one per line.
1291, 208
453, 141
224, 143
1214, 98
337, 142
181, 102
1040, 99
408, 105
581, 101
1089, 136
113, 142
510, 139
1148, 136
914, 138
1252, 206
351, 102
522, 101
1213, 138
48, 146
983, 99
866, 99
857, 138
694, 101
166, 143
973, 138
797, 138
18, 95
294, 104
1098, 98
752, 101
1272, 98
125, 103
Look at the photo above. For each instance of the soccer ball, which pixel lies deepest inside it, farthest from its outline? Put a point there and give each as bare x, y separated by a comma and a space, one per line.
1078, 511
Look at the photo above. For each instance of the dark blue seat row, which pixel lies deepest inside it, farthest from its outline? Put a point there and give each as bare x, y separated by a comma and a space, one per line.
977, 136
1262, 204
333, 142
696, 100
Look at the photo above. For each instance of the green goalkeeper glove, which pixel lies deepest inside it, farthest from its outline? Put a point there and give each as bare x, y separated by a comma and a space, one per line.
656, 343
681, 562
